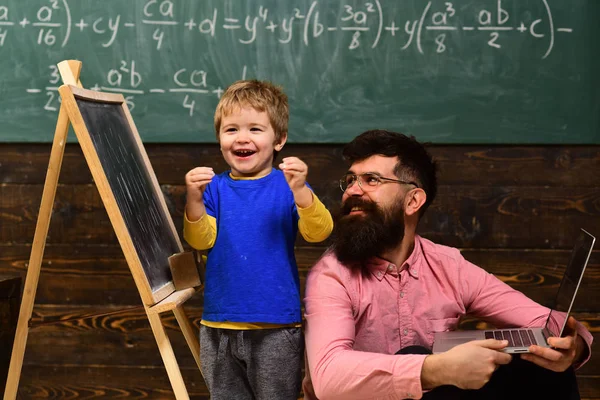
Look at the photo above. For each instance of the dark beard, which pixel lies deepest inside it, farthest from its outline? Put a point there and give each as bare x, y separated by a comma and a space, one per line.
357, 238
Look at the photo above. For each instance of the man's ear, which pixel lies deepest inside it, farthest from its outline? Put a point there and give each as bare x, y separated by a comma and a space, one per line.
414, 200
282, 140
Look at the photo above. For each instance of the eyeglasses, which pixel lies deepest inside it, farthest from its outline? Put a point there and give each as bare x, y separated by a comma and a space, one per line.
368, 181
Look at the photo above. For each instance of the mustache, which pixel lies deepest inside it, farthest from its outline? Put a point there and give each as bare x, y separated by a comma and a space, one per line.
351, 202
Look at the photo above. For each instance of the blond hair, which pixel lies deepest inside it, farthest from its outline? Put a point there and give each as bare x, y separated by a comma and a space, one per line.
262, 96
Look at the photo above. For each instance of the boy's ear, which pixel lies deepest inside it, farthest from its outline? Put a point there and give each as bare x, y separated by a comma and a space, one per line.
279, 146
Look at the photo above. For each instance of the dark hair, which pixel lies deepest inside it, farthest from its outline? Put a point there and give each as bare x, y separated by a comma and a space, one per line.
414, 161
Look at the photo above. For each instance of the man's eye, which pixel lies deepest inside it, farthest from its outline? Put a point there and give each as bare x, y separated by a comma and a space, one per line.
371, 180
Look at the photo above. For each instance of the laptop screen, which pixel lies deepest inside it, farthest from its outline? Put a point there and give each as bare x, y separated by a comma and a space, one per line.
571, 280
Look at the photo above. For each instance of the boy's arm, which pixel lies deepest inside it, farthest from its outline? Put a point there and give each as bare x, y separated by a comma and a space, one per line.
200, 234
315, 224
201, 231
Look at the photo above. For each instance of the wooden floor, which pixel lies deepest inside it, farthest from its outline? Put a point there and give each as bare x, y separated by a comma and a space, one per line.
514, 211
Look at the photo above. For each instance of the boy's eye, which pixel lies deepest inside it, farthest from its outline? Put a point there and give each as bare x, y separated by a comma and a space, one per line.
255, 129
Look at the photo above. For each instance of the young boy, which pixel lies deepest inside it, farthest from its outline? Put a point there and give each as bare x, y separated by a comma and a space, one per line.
251, 340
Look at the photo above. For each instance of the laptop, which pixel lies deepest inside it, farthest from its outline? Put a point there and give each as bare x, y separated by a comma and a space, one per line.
519, 339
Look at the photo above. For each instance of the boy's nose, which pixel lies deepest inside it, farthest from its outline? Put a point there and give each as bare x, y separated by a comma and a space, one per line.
242, 137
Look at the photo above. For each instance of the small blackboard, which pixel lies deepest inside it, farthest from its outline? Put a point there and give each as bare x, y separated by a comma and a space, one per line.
127, 185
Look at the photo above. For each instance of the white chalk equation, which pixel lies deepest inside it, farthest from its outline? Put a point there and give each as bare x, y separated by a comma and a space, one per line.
129, 81
424, 28
365, 24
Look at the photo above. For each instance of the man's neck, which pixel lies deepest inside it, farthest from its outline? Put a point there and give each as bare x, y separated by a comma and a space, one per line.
399, 254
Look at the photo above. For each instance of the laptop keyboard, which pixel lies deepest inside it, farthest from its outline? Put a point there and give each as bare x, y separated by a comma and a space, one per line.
515, 337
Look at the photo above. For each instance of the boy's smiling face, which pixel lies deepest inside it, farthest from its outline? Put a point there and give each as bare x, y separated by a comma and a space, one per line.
247, 142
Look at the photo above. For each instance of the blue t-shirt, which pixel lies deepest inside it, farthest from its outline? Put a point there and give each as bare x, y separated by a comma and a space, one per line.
251, 271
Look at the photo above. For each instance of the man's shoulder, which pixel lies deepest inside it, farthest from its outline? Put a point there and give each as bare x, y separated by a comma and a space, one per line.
439, 251
329, 264
328, 270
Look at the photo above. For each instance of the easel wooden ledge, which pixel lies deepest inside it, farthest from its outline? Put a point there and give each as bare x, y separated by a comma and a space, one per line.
70, 71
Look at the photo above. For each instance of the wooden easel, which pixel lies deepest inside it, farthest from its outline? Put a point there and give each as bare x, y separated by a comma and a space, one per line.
70, 71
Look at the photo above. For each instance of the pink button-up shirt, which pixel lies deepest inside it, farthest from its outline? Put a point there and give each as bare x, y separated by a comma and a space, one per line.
355, 323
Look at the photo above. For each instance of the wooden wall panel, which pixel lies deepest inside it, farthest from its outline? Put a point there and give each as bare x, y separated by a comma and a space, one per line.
98, 275
562, 166
513, 210
461, 216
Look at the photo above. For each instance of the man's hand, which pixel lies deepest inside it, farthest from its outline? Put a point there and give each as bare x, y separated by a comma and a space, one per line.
467, 366
295, 171
566, 350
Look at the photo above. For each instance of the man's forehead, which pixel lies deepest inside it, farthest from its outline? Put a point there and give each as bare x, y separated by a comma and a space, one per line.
376, 163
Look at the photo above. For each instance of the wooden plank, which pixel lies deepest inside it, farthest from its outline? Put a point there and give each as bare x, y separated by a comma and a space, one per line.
125, 343
60, 381
461, 216
99, 382
589, 386
168, 357
147, 383
10, 295
126, 339
76, 275
99, 276
172, 301
560, 166
39, 242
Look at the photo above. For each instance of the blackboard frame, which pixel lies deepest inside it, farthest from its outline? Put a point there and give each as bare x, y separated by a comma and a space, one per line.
70, 94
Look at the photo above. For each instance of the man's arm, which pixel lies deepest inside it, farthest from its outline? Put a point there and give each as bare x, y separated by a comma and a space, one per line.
491, 300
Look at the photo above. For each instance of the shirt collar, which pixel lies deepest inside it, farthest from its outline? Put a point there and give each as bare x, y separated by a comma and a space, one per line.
379, 267
412, 263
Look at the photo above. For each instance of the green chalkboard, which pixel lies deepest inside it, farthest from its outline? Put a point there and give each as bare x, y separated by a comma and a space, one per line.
483, 71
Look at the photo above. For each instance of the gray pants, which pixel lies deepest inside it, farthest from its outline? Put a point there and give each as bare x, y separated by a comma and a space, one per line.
260, 364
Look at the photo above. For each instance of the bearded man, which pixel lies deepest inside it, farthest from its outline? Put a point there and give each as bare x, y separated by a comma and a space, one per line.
376, 298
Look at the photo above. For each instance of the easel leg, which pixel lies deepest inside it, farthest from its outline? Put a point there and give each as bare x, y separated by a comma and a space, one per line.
37, 253
168, 356
191, 336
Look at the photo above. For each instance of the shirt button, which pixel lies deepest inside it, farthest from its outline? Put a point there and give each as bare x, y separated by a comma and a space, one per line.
401, 294
405, 331
379, 274
390, 267
409, 395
